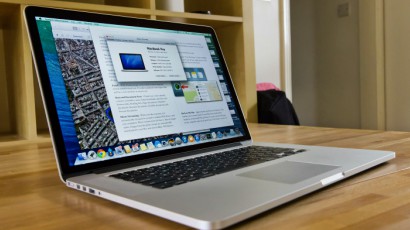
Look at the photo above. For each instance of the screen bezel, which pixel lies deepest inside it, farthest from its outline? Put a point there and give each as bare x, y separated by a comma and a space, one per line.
31, 12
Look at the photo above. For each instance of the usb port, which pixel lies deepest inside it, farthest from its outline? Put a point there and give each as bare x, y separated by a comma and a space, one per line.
90, 190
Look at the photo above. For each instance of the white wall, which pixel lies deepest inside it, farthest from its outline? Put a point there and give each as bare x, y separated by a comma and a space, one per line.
267, 41
325, 63
304, 81
397, 64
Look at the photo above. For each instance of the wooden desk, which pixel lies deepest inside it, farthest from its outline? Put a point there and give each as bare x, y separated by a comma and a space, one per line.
33, 197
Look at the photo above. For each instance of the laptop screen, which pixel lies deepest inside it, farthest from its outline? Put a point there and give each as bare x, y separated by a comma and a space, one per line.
107, 111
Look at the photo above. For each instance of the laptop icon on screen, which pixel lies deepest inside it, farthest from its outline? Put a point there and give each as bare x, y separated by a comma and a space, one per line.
132, 62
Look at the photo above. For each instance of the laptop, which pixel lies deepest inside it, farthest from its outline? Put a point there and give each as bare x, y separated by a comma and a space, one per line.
178, 147
132, 62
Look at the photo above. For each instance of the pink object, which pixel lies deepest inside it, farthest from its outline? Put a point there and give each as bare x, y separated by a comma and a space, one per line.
266, 86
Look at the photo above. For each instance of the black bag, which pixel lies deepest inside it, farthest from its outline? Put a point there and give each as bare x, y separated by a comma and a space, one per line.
275, 108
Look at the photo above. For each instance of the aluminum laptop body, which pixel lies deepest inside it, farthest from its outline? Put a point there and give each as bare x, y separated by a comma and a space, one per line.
105, 123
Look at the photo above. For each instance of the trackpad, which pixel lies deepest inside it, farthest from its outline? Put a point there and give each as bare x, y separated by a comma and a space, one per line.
289, 172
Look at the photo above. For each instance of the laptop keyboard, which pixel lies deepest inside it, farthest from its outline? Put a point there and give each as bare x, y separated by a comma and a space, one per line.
180, 172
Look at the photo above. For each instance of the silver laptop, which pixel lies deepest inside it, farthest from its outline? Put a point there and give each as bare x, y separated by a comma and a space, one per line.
173, 143
132, 62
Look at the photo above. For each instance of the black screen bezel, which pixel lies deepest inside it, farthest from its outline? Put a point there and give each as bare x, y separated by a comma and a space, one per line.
31, 12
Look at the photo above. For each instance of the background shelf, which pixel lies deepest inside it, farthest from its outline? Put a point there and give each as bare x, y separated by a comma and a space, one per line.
216, 7
126, 3
7, 124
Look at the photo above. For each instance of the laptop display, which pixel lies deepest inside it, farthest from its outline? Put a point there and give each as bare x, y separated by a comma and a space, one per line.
132, 62
184, 101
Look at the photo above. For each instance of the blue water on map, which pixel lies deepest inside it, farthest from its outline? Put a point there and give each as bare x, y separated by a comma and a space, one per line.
63, 107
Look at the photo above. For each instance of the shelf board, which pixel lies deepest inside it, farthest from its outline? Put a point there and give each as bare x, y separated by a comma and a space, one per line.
215, 21
43, 135
224, 18
122, 10
12, 2
14, 140
100, 8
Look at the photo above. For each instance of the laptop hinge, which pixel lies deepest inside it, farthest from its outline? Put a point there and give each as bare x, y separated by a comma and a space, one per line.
170, 157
